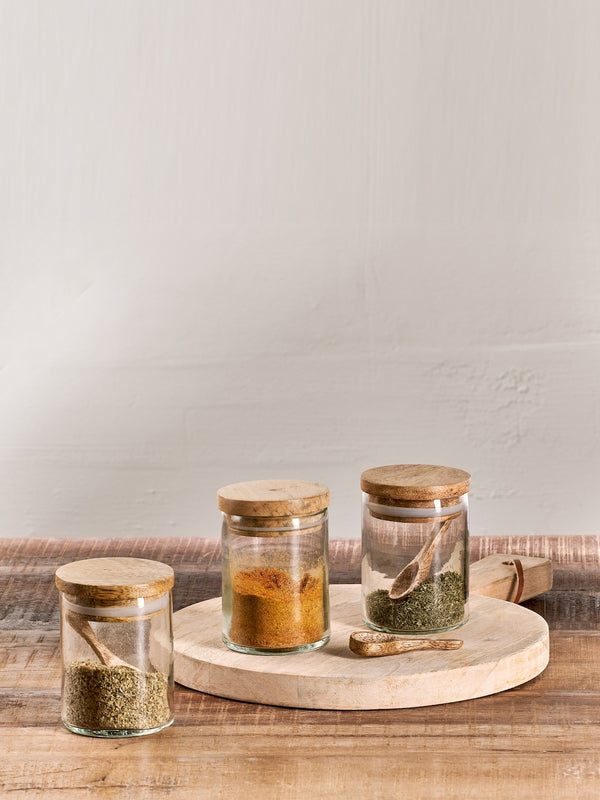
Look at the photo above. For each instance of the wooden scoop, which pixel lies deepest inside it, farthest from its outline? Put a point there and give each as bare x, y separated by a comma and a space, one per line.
415, 572
84, 629
367, 643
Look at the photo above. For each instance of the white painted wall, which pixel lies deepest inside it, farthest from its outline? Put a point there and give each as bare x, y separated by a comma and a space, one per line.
298, 239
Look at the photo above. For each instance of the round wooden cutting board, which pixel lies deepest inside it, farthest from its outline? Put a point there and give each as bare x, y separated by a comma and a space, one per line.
504, 646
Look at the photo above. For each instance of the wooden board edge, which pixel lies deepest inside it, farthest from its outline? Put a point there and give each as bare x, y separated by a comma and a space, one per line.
310, 692
539, 578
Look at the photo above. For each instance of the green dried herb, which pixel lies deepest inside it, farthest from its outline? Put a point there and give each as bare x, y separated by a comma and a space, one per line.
115, 698
438, 602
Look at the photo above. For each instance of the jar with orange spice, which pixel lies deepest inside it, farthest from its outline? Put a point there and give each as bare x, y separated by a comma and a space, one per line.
275, 566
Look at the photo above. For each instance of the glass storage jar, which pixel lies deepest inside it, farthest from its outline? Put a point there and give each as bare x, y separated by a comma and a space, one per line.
117, 646
415, 548
275, 566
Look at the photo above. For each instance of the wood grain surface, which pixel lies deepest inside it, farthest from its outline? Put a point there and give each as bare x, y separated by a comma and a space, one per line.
504, 645
114, 580
538, 740
415, 482
273, 498
496, 576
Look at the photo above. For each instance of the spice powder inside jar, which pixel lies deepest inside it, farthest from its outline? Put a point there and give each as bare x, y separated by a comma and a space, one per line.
99, 697
272, 610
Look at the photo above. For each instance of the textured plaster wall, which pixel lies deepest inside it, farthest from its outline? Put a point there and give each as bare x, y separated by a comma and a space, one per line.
298, 239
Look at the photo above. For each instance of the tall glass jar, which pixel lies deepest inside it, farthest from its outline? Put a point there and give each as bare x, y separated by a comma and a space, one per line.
275, 566
117, 646
415, 548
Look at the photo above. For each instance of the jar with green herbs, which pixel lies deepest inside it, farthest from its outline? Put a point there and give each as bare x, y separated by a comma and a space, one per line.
415, 548
117, 646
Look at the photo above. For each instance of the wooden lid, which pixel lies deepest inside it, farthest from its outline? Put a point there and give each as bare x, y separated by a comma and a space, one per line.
99, 580
415, 482
273, 498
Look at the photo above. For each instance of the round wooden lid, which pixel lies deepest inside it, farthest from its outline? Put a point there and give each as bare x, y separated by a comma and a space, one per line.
98, 580
273, 498
415, 482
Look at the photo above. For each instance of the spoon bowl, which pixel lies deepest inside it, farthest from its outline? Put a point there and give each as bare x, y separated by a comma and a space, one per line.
415, 572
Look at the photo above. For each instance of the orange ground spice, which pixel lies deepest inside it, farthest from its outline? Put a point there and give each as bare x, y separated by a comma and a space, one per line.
271, 610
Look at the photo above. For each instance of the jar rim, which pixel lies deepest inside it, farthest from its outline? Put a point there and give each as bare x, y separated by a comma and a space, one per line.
275, 526
142, 608
432, 511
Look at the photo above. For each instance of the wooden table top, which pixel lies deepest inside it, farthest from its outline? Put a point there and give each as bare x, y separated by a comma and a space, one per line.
540, 740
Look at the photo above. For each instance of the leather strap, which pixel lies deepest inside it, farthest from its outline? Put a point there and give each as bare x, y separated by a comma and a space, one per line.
516, 563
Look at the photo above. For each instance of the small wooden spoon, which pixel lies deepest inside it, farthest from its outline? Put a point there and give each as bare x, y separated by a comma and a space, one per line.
415, 572
84, 629
365, 643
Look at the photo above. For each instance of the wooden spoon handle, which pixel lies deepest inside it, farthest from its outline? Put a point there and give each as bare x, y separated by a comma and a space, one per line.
84, 629
417, 570
428, 558
365, 643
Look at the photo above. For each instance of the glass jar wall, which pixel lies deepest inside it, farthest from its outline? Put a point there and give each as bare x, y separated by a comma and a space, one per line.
275, 566
415, 553
117, 646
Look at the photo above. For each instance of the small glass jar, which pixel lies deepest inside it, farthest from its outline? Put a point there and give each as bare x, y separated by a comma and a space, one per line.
117, 646
415, 548
275, 566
